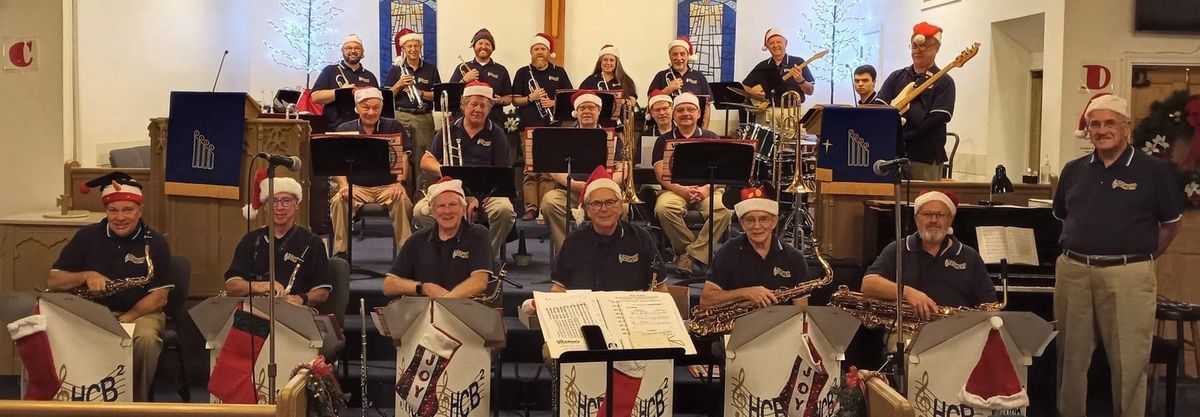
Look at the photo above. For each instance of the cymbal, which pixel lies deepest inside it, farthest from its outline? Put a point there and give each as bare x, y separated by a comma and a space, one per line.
747, 107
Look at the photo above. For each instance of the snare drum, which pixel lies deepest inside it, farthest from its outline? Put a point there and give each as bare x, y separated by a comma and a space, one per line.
764, 135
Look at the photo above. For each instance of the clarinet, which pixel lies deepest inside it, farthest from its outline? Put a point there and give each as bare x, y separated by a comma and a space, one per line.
362, 363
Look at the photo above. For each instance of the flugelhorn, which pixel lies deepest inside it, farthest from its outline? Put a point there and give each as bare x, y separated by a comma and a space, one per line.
671, 77
413, 94
463, 68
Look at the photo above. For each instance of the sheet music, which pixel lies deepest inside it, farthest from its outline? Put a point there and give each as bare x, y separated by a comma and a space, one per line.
629, 320
1015, 243
562, 314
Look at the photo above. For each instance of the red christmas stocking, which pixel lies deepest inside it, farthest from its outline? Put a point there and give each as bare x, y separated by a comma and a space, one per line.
417, 386
627, 381
232, 379
34, 347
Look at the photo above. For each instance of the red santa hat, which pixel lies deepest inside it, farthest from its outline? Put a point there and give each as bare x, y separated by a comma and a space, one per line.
658, 96
686, 98
477, 88
755, 199
599, 180
544, 40
366, 93
352, 38
444, 185
1101, 101
260, 192
686, 43
610, 50
993, 383
584, 96
404, 36
924, 31
772, 32
948, 198
115, 186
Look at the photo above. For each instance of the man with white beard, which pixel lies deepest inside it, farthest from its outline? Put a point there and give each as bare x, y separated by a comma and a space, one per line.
938, 269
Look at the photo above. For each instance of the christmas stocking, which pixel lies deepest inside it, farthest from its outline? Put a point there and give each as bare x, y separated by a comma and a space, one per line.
418, 384
805, 383
627, 381
34, 346
232, 379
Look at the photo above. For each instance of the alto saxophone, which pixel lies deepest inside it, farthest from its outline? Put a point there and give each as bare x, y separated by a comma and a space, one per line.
874, 312
114, 287
709, 320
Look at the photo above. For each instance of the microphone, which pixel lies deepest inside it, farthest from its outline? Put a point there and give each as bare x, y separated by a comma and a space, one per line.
289, 162
891, 166
219, 67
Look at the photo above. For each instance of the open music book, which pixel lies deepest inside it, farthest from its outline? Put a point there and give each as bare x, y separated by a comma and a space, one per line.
628, 319
1015, 243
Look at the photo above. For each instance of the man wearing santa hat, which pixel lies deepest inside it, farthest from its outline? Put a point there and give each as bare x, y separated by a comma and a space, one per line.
781, 63
385, 189
451, 259
1120, 210
554, 202
481, 142
534, 89
484, 69
749, 268
348, 73
923, 138
126, 265
939, 270
416, 116
298, 250
679, 77
659, 107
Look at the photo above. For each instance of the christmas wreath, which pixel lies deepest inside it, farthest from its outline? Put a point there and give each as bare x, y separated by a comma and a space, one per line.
1171, 132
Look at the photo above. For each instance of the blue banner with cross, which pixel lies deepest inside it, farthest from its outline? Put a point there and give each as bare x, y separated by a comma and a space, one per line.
204, 144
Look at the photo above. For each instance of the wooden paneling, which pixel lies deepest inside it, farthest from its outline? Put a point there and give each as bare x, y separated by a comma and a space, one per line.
1177, 277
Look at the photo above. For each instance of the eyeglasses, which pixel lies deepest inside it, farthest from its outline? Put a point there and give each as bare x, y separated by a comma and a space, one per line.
936, 215
285, 201
1108, 124
923, 46
352, 48
755, 220
608, 204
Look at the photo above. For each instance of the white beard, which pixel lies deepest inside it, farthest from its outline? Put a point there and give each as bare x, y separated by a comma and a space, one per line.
932, 236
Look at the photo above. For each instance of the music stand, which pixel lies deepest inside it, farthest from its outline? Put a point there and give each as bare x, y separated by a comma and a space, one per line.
569, 151
712, 162
610, 356
561, 112
723, 95
348, 155
454, 93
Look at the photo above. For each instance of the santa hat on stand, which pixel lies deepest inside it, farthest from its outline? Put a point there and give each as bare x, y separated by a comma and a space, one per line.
993, 383
544, 40
772, 32
259, 195
1101, 101
686, 43
114, 186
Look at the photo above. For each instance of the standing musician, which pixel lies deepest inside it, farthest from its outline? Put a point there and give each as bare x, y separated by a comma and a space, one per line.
675, 200
781, 63
749, 268
939, 270
679, 78
864, 86
923, 137
413, 74
386, 189
612, 254
349, 73
301, 266
554, 202
534, 89
1120, 211
124, 266
484, 69
451, 260
660, 109
475, 141
609, 75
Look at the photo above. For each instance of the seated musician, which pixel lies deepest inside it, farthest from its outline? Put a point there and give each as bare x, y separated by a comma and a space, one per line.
477, 141
611, 254
938, 269
125, 266
554, 202
301, 266
452, 259
659, 106
675, 200
749, 268
386, 189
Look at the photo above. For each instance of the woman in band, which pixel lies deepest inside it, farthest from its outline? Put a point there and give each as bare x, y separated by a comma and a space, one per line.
609, 75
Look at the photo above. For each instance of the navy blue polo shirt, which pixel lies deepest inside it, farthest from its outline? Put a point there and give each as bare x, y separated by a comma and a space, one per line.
927, 146
425, 257
426, 76
736, 265
327, 80
494, 75
693, 82
551, 79
385, 126
956, 277
660, 144
488, 148
1116, 210
95, 248
298, 247
871, 99
592, 82
756, 77
626, 261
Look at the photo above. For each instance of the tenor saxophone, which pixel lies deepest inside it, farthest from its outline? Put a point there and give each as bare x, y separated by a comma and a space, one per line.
709, 320
874, 312
114, 287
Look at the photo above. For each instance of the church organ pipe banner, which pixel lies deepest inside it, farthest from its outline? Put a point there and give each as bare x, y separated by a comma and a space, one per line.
204, 144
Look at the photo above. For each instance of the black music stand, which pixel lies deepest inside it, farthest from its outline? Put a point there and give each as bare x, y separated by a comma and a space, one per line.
454, 92
603, 354
346, 156
712, 162
723, 96
570, 151
343, 98
565, 112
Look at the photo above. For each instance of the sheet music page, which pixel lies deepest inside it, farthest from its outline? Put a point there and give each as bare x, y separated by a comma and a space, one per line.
991, 243
562, 314
1015, 243
648, 319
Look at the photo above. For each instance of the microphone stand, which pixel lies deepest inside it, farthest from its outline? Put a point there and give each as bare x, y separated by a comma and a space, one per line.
271, 365
898, 364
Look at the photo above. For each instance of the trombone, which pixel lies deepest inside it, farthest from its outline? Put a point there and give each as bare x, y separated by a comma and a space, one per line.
542, 110
451, 152
790, 131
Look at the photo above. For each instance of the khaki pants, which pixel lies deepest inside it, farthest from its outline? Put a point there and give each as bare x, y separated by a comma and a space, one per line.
420, 133
401, 214
923, 171
1116, 305
501, 218
670, 209
147, 345
533, 187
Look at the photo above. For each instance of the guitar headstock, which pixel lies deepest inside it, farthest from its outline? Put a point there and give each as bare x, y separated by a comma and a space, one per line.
818, 55
966, 55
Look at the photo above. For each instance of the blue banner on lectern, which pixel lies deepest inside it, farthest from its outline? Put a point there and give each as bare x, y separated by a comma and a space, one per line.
204, 144
852, 139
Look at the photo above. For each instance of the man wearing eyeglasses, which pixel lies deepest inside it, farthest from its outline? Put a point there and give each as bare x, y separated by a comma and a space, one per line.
349, 73
938, 269
1120, 210
923, 137
749, 268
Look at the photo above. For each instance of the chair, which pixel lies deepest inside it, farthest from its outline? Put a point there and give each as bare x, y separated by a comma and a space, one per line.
339, 296
1170, 352
135, 157
948, 166
181, 275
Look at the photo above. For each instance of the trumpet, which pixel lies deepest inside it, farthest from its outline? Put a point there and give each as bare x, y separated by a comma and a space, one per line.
670, 77
451, 152
463, 68
542, 110
413, 94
